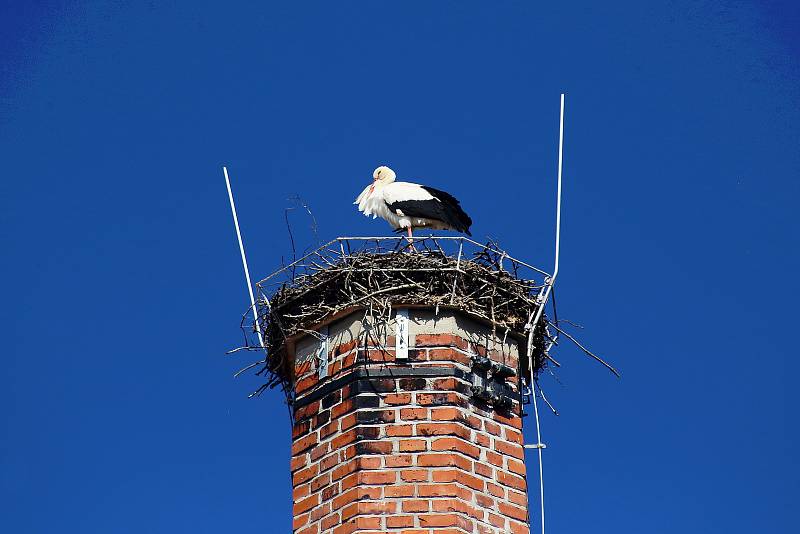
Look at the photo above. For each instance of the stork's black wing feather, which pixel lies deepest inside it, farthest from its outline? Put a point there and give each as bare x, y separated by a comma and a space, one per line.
456, 216
445, 207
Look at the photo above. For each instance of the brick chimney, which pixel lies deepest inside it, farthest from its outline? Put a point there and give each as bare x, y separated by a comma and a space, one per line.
415, 429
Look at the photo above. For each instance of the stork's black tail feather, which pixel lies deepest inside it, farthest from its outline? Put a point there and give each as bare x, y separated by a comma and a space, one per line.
452, 213
443, 207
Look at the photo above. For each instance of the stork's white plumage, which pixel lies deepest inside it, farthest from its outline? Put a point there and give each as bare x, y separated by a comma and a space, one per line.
405, 205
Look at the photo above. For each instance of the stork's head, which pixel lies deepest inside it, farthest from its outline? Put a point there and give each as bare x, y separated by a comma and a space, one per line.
384, 175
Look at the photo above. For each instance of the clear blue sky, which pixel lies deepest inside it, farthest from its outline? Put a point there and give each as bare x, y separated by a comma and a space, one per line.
122, 287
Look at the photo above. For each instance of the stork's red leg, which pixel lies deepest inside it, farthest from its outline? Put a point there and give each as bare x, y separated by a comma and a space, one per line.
410, 240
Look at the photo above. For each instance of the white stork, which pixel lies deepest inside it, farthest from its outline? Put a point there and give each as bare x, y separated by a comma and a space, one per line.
406, 206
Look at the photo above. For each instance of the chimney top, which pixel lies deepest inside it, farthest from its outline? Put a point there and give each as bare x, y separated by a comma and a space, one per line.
376, 275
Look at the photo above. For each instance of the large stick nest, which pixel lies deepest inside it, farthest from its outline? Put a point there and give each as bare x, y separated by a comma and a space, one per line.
486, 287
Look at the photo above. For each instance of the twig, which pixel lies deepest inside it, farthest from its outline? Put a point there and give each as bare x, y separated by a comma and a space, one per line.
587, 351
576, 325
544, 398
243, 369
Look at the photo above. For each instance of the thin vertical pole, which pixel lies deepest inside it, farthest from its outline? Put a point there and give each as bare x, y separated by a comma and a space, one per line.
550, 281
244, 258
542, 302
539, 447
558, 199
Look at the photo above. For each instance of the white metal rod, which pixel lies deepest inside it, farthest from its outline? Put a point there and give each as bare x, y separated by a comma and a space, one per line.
558, 200
435, 238
244, 258
539, 447
552, 279
395, 238
548, 289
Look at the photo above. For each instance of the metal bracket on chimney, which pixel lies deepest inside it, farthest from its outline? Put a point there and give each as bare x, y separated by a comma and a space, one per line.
366, 376
489, 382
322, 352
401, 334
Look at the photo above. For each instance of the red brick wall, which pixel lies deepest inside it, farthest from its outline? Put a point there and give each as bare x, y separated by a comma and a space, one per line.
410, 455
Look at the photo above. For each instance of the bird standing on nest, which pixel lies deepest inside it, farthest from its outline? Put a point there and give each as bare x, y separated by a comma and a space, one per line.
407, 206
